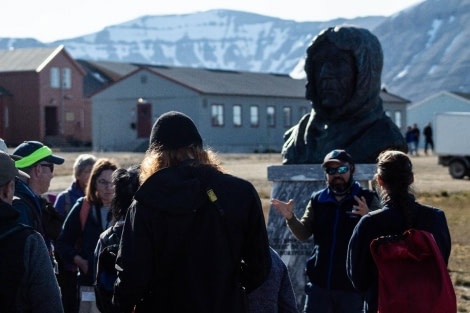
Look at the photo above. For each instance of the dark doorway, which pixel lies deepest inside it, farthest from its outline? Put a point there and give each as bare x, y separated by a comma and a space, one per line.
51, 121
144, 120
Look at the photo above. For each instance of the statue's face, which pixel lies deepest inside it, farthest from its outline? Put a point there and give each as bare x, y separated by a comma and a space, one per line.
333, 76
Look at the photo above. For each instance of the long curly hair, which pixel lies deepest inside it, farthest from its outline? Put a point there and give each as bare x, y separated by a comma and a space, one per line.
157, 158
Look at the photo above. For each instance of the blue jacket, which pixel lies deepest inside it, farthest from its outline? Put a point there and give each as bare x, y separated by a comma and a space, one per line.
67, 198
29, 206
332, 224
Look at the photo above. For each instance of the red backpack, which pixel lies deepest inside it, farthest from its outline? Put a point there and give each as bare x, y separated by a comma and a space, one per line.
413, 276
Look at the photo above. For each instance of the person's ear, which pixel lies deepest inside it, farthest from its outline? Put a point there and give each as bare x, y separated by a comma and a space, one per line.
353, 169
35, 170
4, 191
7, 191
379, 180
11, 188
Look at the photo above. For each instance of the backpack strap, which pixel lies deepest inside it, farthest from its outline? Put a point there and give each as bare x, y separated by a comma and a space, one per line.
84, 211
68, 202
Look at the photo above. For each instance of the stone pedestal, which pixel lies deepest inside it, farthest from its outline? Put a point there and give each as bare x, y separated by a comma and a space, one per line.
298, 182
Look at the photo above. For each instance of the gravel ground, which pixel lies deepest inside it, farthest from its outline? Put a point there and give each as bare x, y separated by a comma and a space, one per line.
429, 176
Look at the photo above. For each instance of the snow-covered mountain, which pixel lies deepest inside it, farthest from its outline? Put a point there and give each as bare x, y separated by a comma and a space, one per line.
219, 39
427, 49
425, 46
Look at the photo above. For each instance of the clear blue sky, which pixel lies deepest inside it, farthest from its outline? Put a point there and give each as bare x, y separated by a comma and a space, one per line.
49, 20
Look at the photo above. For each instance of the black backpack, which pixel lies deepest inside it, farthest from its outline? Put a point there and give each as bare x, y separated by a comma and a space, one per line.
106, 273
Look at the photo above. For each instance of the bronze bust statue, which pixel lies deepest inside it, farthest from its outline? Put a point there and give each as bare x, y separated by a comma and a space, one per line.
343, 67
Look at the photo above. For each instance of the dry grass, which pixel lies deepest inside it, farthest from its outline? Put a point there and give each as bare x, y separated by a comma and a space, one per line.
456, 208
433, 185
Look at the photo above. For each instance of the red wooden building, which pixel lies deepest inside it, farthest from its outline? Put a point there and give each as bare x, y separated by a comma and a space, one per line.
41, 97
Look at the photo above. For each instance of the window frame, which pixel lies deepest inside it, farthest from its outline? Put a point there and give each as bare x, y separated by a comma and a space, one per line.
217, 116
253, 123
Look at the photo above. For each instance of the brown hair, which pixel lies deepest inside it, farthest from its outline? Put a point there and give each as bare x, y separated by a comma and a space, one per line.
396, 172
99, 167
157, 158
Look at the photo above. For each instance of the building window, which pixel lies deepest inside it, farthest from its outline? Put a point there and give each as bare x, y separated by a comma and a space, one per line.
303, 110
237, 115
271, 116
66, 78
398, 118
55, 77
287, 116
61, 78
254, 116
217, 115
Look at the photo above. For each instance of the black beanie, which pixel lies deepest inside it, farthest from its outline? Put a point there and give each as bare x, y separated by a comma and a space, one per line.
173, 130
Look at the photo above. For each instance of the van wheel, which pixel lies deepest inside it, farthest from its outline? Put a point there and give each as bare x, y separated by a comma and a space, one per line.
457, 169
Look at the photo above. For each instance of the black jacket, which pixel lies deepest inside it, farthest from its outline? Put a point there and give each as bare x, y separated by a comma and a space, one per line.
75, 240
181, 254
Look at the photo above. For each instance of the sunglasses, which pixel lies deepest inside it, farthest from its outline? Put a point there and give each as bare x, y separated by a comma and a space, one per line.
340, 170
50, 166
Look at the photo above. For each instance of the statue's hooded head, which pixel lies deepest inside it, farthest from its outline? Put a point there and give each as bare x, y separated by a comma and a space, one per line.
344, 67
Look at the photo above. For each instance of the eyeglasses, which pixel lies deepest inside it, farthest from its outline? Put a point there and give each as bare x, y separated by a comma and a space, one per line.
340, 170
49, 165
105, 183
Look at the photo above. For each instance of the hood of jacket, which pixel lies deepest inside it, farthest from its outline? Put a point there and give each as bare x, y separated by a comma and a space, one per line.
8, 215
365, 103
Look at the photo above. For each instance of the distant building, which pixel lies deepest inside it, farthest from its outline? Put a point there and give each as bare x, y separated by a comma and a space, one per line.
234, 111
395, 108
41, 97
423, 112
48, 96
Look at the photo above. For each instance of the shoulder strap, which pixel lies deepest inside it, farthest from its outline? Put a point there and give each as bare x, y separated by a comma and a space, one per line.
68, 202
84, 211
215, 201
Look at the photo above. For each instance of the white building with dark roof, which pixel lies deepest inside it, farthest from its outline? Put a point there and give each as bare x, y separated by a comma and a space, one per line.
421, 113
234, 111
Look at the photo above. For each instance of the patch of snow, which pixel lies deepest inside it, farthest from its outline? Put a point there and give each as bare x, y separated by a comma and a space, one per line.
403, 73
436, 24
432, 69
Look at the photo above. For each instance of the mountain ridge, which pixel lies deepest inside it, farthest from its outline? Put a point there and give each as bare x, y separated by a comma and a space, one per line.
424, 45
